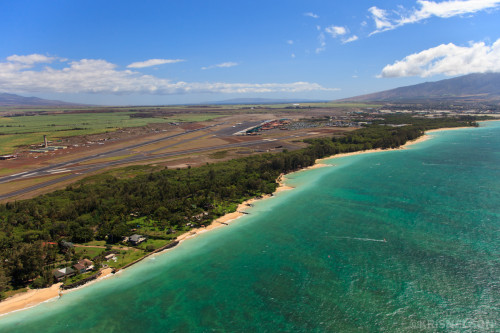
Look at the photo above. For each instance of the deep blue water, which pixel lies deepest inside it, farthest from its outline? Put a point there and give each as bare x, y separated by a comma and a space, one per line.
398, 241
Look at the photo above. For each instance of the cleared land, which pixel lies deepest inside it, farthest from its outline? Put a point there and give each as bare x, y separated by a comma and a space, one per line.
27, 130
174, 137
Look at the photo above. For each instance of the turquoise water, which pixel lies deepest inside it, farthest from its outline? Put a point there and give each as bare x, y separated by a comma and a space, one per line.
402, 241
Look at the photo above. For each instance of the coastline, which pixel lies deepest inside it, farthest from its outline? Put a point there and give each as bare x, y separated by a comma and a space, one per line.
420, 139
30, 298
34, 297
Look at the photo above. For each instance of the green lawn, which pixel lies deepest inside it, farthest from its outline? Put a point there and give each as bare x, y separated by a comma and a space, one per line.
157, 243
89, 251
95, 243
125, 257
78, 277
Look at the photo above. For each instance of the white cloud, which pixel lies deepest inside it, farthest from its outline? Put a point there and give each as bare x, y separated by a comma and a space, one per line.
289, 42
311, 15
350, 39
222, 65
336, 31
100, 76
31, 59
444, 9
153, 62
293, 56
322, 43
448, 59
380, 17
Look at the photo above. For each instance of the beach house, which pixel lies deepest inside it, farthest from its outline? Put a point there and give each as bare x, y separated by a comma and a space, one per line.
60, 274
83, 266
136, 239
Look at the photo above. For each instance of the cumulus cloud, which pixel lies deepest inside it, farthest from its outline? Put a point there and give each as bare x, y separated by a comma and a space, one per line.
153, 62
222, 65
444, 9
335, 31
30, 59
103, 77
311, 15
448, 59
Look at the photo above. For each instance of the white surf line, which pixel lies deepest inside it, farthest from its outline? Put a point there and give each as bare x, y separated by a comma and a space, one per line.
364, 239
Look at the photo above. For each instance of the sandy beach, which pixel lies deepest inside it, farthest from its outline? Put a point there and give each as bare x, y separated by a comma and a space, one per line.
423, 138
29, 299
224, 220
36, 296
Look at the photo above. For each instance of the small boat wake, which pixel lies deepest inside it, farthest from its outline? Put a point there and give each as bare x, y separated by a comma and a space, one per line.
365, 239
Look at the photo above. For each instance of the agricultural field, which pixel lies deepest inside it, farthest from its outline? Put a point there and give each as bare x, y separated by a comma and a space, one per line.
27, 130
288, 106
194, 117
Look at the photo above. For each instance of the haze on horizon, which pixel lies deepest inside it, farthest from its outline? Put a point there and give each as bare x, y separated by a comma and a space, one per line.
128, 52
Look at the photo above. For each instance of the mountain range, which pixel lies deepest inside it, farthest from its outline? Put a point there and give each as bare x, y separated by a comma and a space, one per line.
12, 100
467, 88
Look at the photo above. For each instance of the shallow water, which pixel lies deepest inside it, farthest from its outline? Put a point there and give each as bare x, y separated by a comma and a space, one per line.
394, 241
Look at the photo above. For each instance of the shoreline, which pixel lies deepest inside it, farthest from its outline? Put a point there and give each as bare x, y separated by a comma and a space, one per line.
420, 139
34, 297
29, 299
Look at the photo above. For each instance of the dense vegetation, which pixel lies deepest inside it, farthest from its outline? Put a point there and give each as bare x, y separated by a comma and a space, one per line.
107, 207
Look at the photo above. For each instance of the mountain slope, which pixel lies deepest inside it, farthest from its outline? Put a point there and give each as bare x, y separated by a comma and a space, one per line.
482, 87
16, 100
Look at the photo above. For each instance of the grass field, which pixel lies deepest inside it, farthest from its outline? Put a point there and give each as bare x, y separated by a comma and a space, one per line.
25, 130
89, 251
194, 117
14, 186
303, 105
126, 257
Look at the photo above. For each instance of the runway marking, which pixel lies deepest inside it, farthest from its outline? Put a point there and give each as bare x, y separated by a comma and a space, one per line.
29, 174
18, 174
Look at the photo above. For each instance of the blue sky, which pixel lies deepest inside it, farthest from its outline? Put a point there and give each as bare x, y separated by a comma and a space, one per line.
167, 52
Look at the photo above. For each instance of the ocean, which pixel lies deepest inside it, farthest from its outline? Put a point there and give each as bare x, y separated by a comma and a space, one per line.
394, 241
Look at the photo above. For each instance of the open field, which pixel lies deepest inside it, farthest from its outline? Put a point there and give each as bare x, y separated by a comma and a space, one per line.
173, 137
194, 117
290, 107
26, 130
10, 187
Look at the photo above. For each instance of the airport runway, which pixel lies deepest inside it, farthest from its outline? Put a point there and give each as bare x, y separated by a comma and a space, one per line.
78, 170
58, 166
